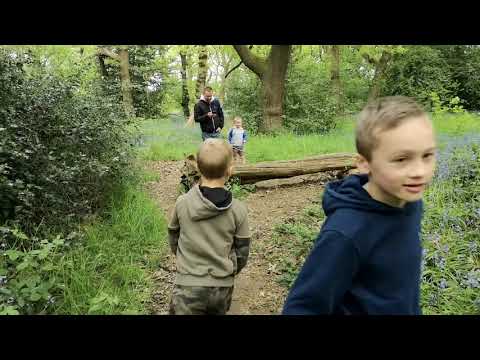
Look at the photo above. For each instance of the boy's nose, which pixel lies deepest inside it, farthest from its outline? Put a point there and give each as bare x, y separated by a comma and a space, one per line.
419, 169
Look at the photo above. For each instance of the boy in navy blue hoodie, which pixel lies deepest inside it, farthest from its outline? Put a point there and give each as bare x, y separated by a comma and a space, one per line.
366, 259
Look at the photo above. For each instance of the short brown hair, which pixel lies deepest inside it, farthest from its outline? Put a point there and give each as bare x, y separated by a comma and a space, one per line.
213, 158
207, 88
383, 114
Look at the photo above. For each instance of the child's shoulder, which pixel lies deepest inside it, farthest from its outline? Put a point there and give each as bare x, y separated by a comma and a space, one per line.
349, 222
181, 198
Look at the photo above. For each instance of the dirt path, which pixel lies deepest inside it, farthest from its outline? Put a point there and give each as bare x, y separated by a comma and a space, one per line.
256, 291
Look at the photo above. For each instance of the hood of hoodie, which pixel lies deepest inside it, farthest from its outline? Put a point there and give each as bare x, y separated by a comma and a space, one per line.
349, 193
206, 203
203, 99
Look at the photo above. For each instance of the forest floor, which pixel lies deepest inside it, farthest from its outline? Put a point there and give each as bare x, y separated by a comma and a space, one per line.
256, 291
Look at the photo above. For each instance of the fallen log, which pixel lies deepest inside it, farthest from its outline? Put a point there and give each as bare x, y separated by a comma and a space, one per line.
252, 173
287, 168
294, 180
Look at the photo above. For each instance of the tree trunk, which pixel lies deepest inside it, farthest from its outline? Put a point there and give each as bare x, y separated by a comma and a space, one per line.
126, 83
273, 91
185, 96
335, 77
202, 71
101, 66
380, 69
272, 72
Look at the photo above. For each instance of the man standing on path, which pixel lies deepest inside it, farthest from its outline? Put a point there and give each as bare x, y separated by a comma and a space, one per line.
208, 112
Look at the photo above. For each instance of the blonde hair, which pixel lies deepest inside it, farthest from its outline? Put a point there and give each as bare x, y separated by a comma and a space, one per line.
383, 114
214, 157
237, 118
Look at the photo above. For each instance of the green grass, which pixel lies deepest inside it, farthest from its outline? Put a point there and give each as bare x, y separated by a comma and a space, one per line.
169, 139
456, 124
110, 272
290, 146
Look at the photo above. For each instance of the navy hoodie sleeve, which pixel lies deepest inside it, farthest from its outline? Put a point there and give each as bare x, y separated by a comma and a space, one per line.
325, 277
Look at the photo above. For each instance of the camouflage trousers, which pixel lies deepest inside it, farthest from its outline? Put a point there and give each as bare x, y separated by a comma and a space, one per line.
200, 300
238, 154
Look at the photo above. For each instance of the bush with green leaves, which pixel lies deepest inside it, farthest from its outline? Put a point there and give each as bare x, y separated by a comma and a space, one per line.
309, 104
244, 99
28, 282
417, 73
439, 107
60, 149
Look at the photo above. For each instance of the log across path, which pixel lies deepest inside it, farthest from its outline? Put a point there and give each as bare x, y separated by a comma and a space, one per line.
253, 173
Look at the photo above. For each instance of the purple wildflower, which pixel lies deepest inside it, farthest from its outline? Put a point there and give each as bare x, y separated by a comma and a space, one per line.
477, 303
473, 279
473, 246
443, 284
433, 299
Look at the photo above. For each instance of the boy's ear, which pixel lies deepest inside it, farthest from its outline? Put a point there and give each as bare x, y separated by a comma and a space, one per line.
230, 171
362, 164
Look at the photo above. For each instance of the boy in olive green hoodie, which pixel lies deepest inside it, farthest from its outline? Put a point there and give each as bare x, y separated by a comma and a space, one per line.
209, 235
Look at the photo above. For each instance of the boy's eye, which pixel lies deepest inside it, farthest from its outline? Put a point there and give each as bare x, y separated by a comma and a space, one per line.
428, 155
399, 159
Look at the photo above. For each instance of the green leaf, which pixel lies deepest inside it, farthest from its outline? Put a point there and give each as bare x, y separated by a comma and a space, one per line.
94, 308
14, 254
19, 234
130, 312
98, 299
47, 267
35, 297
23, 265
57, 241
44, 254
9, 310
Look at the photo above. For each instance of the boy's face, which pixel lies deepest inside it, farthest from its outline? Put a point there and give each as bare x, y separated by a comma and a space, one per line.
238, 124
402, 164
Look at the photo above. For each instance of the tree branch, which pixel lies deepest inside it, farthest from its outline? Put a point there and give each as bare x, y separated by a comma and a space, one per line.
107, 52
252, 61
369, 59
236, 66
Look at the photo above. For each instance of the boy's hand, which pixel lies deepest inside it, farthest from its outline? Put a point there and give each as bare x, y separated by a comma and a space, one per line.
210, 114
